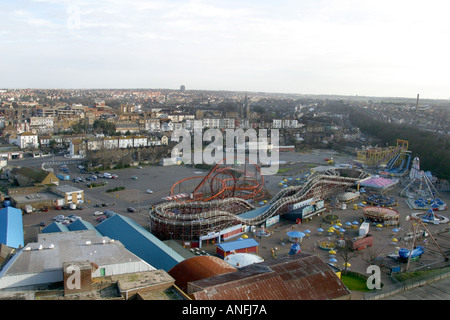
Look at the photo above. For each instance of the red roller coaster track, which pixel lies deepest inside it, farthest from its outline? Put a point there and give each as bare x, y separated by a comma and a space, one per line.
224, 180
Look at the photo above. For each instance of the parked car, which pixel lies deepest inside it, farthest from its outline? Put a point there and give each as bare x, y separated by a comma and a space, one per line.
134, 177
109, 213
131, 209
98, 213
42, 224
59, 217
101, 219
74, 218
149, 191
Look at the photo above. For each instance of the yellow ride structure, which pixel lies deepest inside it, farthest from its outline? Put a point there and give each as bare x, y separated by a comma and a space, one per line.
376, 156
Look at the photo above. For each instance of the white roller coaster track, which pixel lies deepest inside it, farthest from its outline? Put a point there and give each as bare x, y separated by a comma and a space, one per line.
217, 212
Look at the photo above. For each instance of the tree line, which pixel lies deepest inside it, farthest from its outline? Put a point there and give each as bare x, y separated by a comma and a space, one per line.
433, 149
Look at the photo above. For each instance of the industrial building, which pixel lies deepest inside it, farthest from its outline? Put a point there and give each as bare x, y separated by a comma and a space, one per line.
77, 225
39, 197
140, 241
133, 236
41, 263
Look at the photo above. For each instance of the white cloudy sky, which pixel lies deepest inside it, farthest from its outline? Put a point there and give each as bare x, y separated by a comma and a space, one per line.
350, 47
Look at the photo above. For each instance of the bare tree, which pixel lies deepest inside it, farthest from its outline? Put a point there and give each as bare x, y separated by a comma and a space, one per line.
346, 254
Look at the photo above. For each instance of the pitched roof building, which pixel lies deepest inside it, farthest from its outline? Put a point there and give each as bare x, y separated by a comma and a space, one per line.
139, 241
29, 176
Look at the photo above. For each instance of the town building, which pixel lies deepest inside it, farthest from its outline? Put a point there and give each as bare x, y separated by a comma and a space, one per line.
30, 176
9, 152
41, 125
27, 140
70, 193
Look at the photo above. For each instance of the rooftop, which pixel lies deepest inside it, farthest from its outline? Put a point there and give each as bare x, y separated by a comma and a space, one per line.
67, 188
237, 244
298, 277
198, 267
41, 261
140, 241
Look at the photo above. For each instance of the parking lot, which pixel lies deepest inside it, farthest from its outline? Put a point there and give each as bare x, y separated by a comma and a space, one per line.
135, 194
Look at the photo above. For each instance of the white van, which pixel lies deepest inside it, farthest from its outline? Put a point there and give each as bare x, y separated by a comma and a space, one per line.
107, 175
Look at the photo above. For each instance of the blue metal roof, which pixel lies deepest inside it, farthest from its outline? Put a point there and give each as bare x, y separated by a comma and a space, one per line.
80, 224
237, 244
140, 242
11, 227
55, 227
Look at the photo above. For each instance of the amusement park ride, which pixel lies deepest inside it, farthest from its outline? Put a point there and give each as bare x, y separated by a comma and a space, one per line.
241, 180
420, 190
393, 160
225, 198
414, 253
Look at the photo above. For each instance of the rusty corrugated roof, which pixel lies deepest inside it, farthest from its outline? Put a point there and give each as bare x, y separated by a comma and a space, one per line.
298, 277
197, 268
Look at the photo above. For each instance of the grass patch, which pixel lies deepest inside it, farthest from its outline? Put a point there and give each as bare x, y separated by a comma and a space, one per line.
283, 170
420, 274
115, 189
95, 184
355, 283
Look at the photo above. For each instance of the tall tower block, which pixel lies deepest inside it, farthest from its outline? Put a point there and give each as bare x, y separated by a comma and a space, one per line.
417, 102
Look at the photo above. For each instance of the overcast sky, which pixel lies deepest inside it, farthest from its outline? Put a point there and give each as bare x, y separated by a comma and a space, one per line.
352, 47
